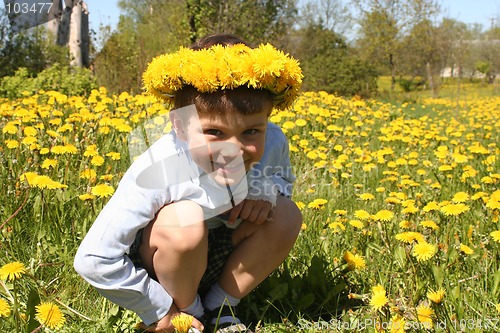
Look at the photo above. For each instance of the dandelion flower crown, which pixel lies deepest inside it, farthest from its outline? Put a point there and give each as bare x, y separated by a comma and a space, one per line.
225, 67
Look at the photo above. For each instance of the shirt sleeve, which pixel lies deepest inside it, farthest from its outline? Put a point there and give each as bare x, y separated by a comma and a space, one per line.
102, 257
273, 174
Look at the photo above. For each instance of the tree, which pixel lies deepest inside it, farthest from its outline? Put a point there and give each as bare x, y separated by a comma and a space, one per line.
380, 26
385, 24
68, 26
151, 27
330, 65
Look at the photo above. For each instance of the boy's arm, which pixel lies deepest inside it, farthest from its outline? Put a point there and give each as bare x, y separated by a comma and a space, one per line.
102, 260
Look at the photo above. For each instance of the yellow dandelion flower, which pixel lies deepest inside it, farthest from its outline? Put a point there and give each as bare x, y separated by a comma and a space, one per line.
69, 149
86, 196
466, 249
362, 214
340, 212
288, 125
49, 163
114, 156
425, 315
88, 174
4, 308
303, 227
102, 190
317, 204
495, 235
182, 322
424, 251
460, 197
479, 195
454, 209
300, 205
405, 224
12, 144
493, 203
410, 237
378, 299
12, 271
356, 224
429, 224
354, 261
45, 182
97, 160
497, 307
337, 226
397, 324
301, 122
436, 296
49, 314
410, 209
367, 196
384, 215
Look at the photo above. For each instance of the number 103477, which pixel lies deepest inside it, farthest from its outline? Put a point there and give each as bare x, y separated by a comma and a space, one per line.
468, 324
28, 7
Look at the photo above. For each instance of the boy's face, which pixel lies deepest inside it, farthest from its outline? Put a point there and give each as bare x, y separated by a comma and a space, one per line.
226, 146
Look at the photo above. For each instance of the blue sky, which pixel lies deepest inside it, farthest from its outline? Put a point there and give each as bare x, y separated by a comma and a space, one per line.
469, 11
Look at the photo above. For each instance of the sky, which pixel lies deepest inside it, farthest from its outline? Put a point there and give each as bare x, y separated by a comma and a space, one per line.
106, 12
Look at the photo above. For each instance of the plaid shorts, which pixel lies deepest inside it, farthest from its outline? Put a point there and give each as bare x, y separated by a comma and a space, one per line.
219, 248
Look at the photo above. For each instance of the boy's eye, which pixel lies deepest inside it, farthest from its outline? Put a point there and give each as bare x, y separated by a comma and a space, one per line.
251, 131
212, 131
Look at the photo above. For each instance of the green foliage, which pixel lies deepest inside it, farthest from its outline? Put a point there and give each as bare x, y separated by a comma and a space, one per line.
411, 84
65, 79
330, 65
27, 49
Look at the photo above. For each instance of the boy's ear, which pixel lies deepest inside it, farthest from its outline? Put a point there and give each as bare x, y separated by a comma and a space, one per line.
178, 125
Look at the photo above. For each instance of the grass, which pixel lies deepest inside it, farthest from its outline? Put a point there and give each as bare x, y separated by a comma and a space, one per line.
368, 173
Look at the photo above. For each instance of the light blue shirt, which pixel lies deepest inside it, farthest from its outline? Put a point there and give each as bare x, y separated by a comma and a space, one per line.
102, 257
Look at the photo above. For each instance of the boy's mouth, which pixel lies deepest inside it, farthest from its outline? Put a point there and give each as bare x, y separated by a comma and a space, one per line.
229, 168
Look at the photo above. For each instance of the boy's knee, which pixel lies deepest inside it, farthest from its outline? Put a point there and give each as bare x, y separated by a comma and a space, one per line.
180, 226
288, 216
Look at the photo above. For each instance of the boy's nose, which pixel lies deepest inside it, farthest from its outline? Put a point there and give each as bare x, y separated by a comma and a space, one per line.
229, 149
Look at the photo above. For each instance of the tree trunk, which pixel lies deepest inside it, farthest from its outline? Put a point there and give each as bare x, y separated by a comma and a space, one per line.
432, 83
75, 35
85, 44
54, 20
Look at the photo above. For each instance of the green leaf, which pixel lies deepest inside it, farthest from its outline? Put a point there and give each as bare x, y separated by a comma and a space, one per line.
496, 282
279, 291
33, 301
438, 275
306, 300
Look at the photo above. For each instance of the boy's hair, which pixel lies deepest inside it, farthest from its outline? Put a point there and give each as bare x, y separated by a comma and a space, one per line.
241, 99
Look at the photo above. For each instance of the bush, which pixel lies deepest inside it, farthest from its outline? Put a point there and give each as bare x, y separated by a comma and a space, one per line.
65, 79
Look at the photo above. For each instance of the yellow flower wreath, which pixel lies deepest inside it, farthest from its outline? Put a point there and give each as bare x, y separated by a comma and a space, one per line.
225, 67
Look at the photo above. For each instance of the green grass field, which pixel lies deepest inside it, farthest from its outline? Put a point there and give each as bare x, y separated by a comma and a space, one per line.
401, 206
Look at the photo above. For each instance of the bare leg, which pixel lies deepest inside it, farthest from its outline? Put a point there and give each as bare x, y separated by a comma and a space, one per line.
260, 249
176, 255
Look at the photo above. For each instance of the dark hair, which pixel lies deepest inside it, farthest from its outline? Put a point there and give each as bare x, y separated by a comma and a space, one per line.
242, 99
217, 39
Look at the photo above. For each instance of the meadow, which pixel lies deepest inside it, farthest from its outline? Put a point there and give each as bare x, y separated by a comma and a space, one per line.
401, 206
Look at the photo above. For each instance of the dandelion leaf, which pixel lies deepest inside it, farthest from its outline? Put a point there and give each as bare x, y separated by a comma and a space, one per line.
496, 282
33, 301
438, 273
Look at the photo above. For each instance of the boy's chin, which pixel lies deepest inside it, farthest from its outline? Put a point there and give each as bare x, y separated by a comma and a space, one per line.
225, 180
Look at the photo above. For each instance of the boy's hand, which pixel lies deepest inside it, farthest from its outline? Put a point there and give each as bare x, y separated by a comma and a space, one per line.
165, 323
256, 211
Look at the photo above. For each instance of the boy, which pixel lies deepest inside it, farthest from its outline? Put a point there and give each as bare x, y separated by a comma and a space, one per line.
204, 216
